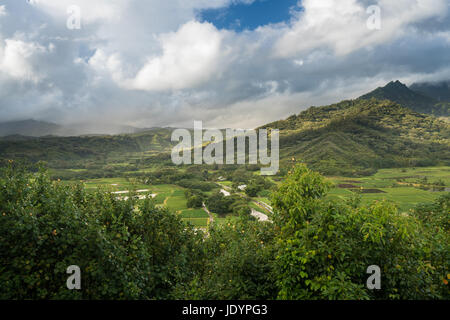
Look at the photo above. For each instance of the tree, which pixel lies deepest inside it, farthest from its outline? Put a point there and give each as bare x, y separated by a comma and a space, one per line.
125, 249
195, 201
252, 190
238, 264
325, 247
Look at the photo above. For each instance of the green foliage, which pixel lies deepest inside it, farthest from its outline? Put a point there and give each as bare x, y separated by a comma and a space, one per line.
256, 185
195, 201
299, 197
189, 179
436, 214
324, 248
241, 176
357, 137
239, 263
220, 204
125, 249
252, 190
314, 248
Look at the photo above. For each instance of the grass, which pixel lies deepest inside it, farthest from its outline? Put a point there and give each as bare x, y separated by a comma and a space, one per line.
170, 195
177, 201
259, 209
226, 183
194, 213
401, 185
263, 199
113, 184
197, 222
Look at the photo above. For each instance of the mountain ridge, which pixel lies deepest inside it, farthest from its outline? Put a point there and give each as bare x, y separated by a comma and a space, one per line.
416, 101
355, 137
38, 128
28, 127
352, 137
439, 90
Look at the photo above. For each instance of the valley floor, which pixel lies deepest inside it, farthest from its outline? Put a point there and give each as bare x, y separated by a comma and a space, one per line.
407, 187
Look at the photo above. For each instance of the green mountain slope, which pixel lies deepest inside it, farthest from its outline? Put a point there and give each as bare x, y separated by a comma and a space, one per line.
65, 150
354, 137
416, 101
359, 136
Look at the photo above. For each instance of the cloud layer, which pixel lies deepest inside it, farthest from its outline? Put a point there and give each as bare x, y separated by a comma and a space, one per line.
152, 63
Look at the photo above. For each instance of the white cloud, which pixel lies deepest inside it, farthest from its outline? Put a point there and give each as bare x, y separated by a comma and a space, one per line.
16, 59
342, 25
3, 11
114, 10
190, 56
91, 11
150, 63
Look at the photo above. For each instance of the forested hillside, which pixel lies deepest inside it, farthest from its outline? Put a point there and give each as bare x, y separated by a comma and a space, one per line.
60, 150
358, 136
353, 137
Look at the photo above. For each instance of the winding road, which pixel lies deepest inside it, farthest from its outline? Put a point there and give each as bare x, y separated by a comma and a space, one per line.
211, 217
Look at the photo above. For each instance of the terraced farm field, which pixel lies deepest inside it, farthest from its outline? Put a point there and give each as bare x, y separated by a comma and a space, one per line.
167, 195
407, 187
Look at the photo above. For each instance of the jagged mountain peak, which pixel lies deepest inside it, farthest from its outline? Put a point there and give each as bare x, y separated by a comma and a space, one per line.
401, 94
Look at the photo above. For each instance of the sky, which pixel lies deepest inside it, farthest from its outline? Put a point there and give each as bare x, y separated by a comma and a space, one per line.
228, 63
249, 15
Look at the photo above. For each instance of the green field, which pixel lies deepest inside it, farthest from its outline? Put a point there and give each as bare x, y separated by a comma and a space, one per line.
197, 217
258, 208
115, 184
197, 222
194, 214
406, 187
177, 201
170, 196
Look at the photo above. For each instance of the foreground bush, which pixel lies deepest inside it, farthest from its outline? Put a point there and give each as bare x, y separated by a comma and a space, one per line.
313, 249
238, 265
124, 250
325, 247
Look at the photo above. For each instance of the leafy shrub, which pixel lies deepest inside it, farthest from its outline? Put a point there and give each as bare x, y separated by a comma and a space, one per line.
239, 263
325, 247
125, 249
195, 201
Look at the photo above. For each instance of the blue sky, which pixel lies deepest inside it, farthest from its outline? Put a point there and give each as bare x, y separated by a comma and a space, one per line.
244, 16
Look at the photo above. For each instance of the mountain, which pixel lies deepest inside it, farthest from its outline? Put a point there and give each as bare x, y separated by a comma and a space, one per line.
34, 128
439, 91
29, 128
353, 137
95, 128
416, 101
61, 151
356, 137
